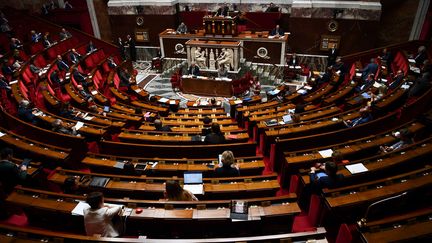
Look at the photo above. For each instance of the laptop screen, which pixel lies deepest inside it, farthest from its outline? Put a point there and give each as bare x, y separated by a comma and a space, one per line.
193, 178
287, 119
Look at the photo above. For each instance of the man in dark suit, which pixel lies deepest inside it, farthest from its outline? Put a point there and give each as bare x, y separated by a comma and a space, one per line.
64, 34
272, 8
370, 80
25, 112
371, 68
11, 174
79, 77
398, 79
421, 56
387, 58
194, 69
216, 136
277, 31
332, 55
55, 79
293, 61
132, 48
90, 47
124, 77
159, 127
61, 64
15, 44
74, 56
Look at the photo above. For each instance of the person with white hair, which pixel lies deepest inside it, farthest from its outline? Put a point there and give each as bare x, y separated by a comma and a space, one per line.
25, 112
59, 126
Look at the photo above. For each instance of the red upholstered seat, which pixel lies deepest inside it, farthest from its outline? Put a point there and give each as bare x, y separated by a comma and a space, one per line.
344, 235
308, 222
293, 184
20, 220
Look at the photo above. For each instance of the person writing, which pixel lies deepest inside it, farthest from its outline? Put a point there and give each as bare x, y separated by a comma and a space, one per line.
182, 28
228, 168
327, 178
174, 192
98, 218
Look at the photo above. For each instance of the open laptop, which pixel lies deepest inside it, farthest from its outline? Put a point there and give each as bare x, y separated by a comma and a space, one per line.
239, 210
287, 119
193, 182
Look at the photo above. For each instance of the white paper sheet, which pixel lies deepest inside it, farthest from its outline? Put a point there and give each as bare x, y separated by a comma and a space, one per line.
163, 100
327, 153
356, 168
79, 125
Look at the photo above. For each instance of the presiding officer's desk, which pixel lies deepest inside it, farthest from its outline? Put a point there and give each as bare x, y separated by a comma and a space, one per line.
174, 45
206, 86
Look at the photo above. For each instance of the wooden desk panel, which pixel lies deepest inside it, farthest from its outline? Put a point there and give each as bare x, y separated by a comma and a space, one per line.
206, 87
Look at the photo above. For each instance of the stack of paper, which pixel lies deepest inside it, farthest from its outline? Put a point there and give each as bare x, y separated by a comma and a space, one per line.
327, 153
356, 168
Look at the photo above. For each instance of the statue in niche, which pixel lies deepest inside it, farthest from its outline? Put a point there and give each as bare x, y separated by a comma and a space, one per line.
200, 58
212, 61
225, 58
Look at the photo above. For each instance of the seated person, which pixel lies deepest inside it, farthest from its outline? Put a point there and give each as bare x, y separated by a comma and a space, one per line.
4, 84
405, 139
46, 40
387, 58
11, 174
255, 87
327, 178
91, 47
7, 69
71, 185
98, 218
222, 71
277, 31
61, 64
421, 85
125, 78
367, 83
159, 127
421, 56
15, 44
55, 79
397, 80
365, 116
216, 136
194, 69
272, 8
207, 127
81, 91
174, 192
182, 28
74, 56
35, 37
222, 11
293, 61
129, 169
111, 62
228, 168
34, 69
25, 112
79, 77
58, 126
64, 34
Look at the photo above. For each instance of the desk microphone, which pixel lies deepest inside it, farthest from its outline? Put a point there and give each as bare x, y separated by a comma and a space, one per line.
363, 220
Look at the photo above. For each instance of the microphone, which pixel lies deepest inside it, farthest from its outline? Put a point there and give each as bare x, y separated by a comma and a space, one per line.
363, 221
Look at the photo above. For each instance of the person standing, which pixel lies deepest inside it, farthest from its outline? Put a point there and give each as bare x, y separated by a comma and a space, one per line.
11, 174
121, 48
132, 48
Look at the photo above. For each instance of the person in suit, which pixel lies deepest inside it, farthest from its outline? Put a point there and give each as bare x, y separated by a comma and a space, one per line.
371, 68
55, 79
35, 37
46, 40
61, 64
272, 8
88, 97
420, 85
332, 55
98, 218
228, 168
174, 192
129, 169
365, 116
132, 48
194, 69
293, 61
387, 58
79, 77
182, 28
59, 127
90, 47
7, 69
125, 78
370, 80
216, 136
64, 34
277, 31
405, 139
421, 56
160, 127
4, 84
15, 44
223, 11
222, 71
121, 48
74, 56
11, 174
328, 178
207, 126
397, 80
25, 112
111, 62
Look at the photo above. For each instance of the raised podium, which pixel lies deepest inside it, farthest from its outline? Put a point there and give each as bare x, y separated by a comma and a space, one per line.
220, 25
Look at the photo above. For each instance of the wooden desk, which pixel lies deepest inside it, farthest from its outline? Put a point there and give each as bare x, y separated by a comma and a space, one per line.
206, 87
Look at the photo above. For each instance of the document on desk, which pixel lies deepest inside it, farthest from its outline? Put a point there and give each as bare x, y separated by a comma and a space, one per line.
356, 168
79, 208
172, 102
79, 125
327, 153
163, 100
2, 134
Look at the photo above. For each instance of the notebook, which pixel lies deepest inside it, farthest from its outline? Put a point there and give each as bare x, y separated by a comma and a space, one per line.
193, 182
99, 181
239, 210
